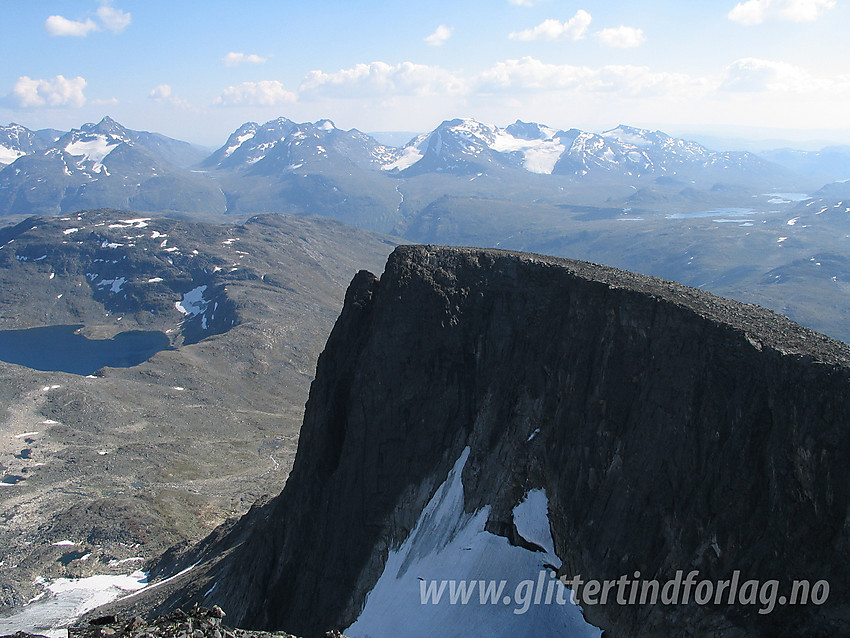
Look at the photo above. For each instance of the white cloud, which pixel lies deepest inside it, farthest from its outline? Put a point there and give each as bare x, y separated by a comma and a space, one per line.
380, 79
759, 75
113, 19
749, 12
110, 18
439, 37
522, 3
757, 11
235, 59
59, 26
161, 92
264, 93
621, 37
804, 10
57, 92
551, 29
530, 74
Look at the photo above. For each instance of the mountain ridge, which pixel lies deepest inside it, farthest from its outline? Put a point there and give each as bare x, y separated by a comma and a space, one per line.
256, 169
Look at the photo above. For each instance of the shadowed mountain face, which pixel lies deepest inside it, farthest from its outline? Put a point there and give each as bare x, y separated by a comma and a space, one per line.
657, 427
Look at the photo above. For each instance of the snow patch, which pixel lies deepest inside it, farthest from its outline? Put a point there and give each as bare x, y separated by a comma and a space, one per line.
141, 222
9, 155
538, 156
450, 544
113, 284
66, 599
531, 518
240, 140
193, 302
409, 156
94, 149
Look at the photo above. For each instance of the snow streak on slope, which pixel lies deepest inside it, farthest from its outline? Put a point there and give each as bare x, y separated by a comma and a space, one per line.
240, 140
407, 157
448, 549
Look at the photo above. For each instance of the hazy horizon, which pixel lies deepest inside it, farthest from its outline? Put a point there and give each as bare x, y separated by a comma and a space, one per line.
753, 70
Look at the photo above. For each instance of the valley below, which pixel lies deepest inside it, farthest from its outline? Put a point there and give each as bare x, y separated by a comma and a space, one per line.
104, 469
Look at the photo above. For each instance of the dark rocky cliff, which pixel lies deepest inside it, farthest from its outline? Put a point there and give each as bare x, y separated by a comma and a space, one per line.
671, 429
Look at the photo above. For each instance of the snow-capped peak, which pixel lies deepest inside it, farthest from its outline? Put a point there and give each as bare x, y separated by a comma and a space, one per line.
325, 125
94, 142
530, 131
106, 126
630, 135
17, 141
536, 148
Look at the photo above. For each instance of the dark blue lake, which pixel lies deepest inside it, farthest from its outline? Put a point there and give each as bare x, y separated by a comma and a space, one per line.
59, 349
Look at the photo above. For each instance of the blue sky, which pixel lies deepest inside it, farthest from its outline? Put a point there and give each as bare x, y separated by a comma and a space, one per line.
197, 71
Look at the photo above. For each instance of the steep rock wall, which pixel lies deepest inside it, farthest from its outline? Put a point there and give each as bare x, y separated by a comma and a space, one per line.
671, 429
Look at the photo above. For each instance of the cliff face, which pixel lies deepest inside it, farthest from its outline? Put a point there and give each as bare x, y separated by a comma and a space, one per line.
667, 428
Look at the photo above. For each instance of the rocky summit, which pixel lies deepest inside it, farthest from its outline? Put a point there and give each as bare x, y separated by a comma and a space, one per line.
479, 414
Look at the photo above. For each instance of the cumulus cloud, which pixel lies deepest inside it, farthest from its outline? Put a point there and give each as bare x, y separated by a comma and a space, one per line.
759, 75
757, 11
530, 74
439, 37
380, 79
57, 92
161, 92
59, 26
621, 37
235, 59
551, 29
113, 19
264, 93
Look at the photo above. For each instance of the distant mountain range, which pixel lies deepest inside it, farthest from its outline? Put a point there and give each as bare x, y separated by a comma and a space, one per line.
733, 223
467, 146
316, 168
98, 165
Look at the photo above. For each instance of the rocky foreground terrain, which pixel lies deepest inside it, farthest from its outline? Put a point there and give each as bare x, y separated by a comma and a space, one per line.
101, 471
197, 622
484, 414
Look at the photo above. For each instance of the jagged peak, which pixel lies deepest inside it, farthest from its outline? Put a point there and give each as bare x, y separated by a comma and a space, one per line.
278, 123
